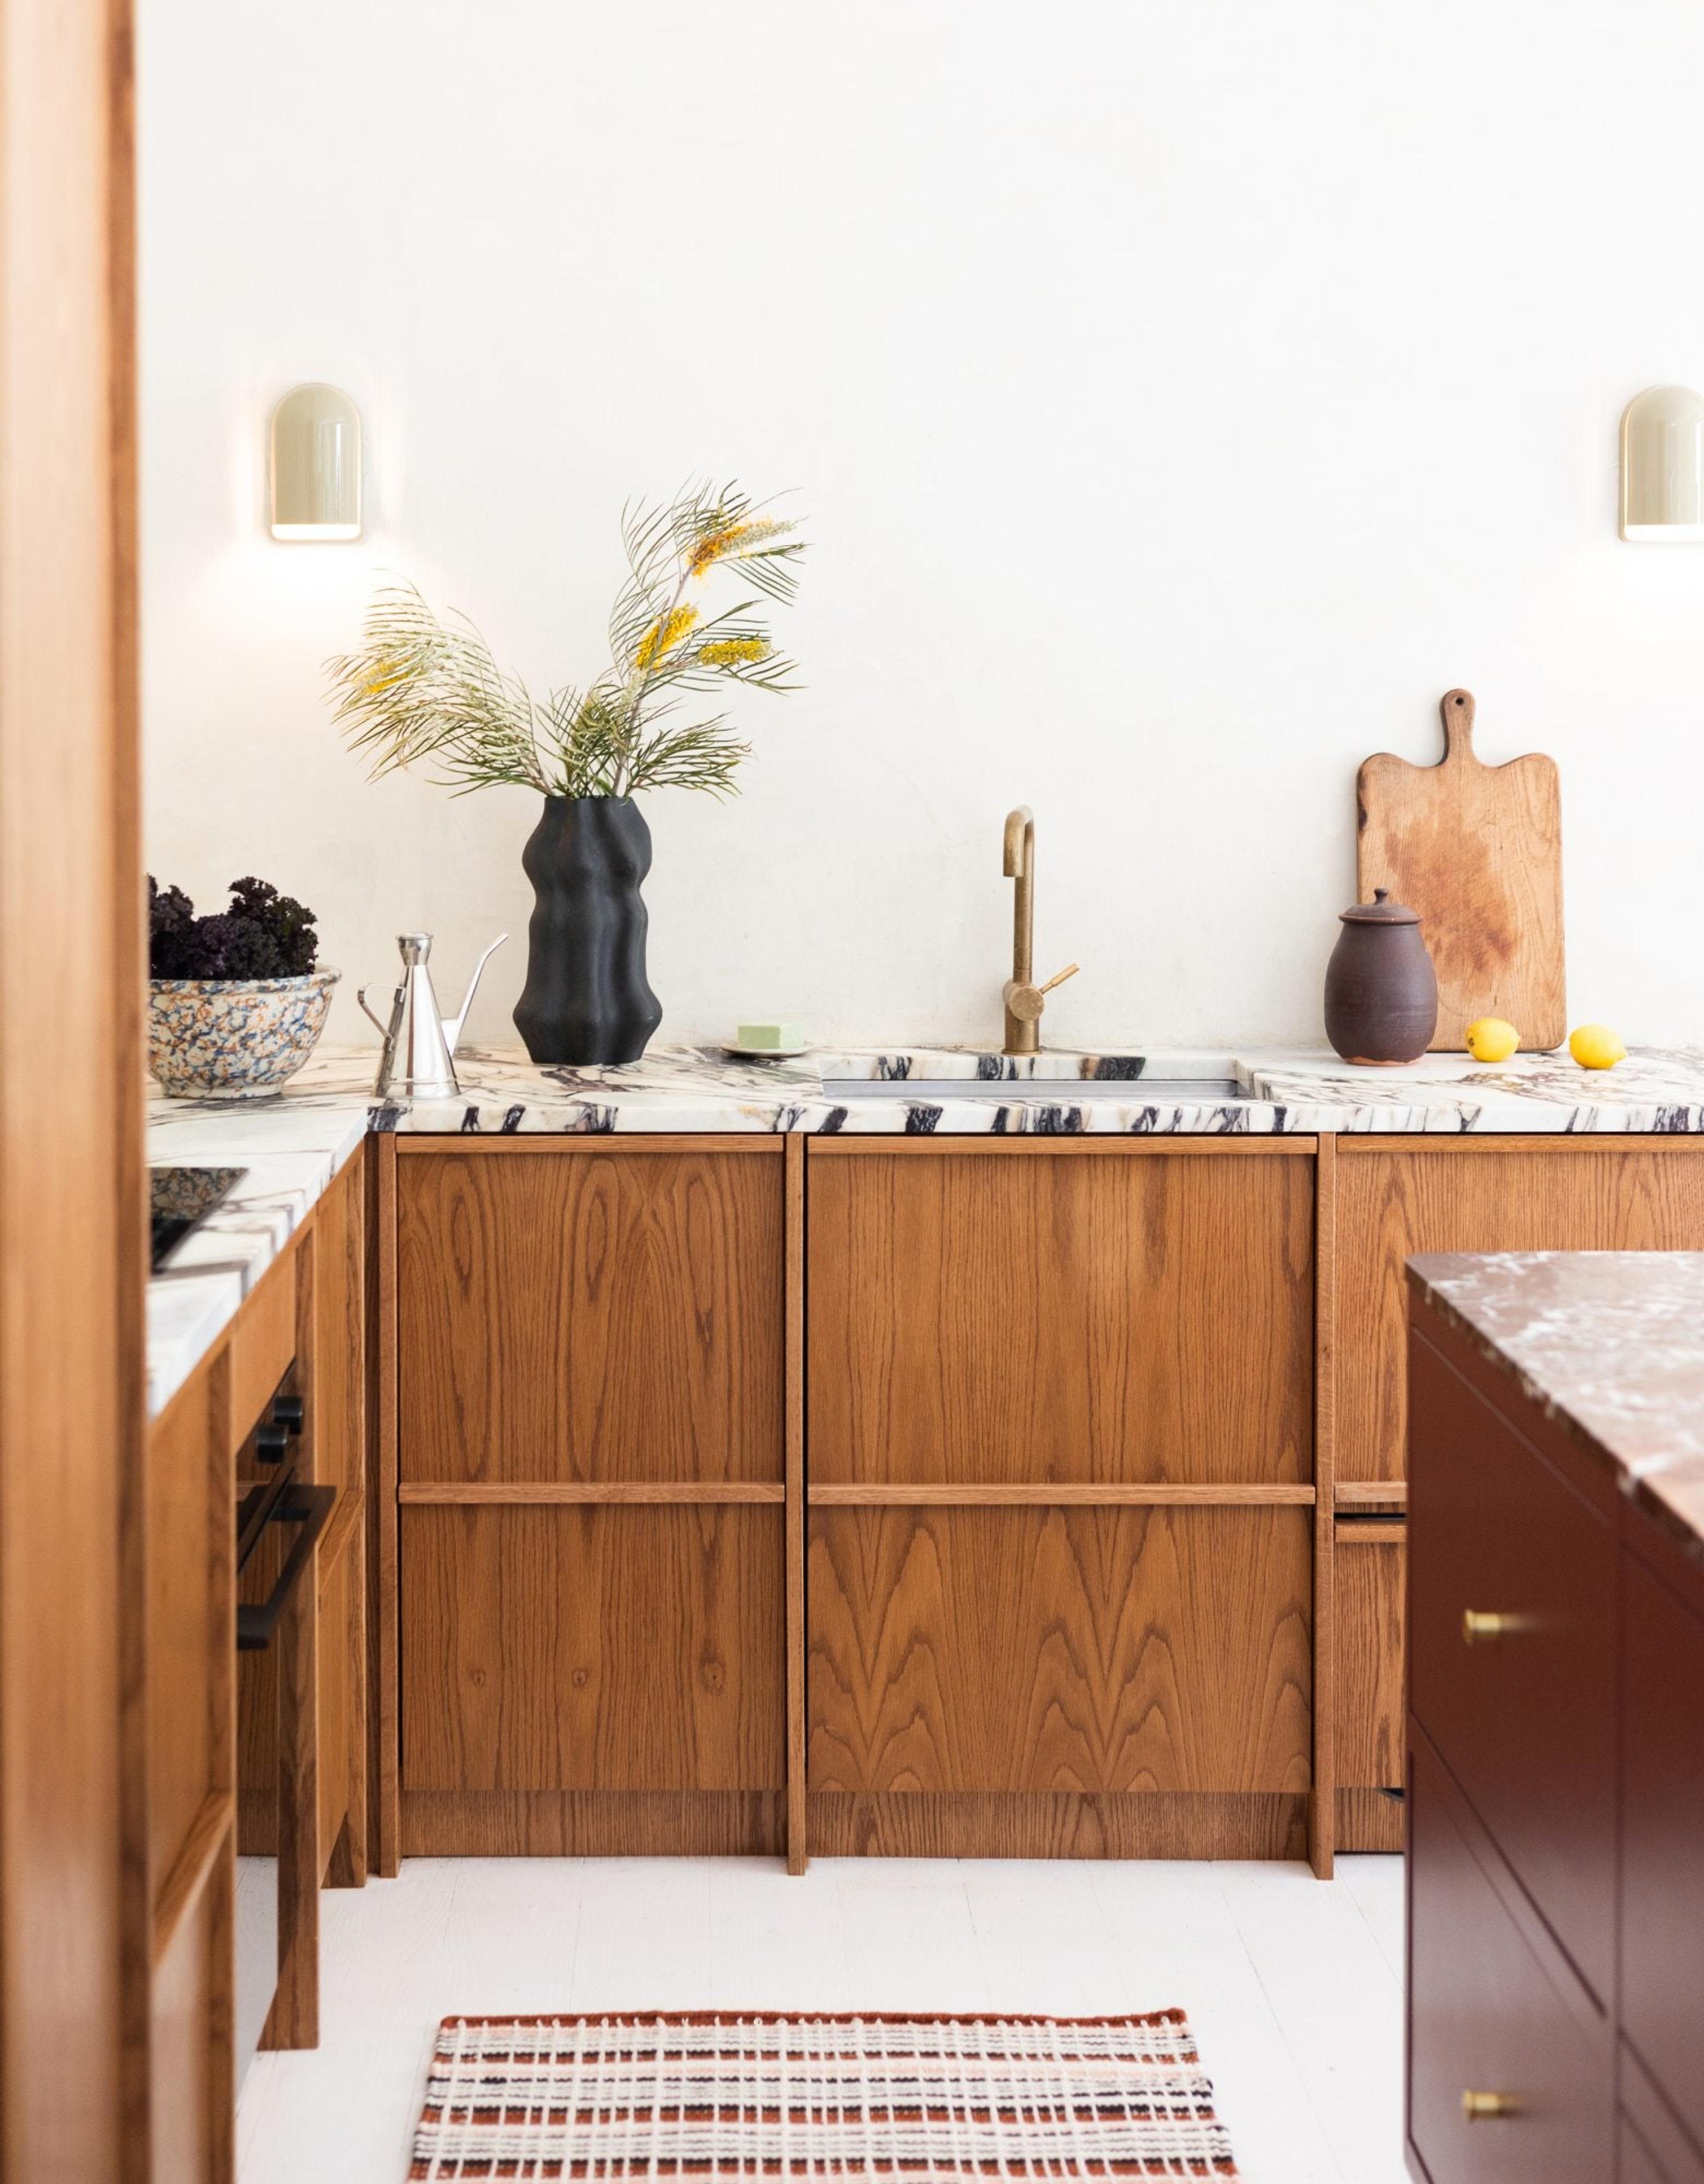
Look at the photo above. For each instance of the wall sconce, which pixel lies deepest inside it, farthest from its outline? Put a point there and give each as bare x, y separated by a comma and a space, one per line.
317, 466
1663, 467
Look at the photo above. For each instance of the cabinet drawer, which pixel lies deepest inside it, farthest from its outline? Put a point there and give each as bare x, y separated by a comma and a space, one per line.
1486, 2014
1525, 1719
1663, 1839
592, 1648
1059, 1650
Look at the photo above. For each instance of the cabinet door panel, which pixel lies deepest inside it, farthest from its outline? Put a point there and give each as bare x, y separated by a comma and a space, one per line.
1136, 1316
1525, 1719
1395, 1200
1486, 2015
1084, 1649
589, 1314
1663, 1839
1370, 1585
592, 1648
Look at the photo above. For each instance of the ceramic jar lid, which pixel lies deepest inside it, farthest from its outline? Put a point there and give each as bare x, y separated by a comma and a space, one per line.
1381, 910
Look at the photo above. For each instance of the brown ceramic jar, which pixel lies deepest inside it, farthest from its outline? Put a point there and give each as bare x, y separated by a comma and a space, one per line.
1381, 989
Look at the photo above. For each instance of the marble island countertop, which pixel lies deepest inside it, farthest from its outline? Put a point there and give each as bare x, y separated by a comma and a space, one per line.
293, 1146
1611, 1344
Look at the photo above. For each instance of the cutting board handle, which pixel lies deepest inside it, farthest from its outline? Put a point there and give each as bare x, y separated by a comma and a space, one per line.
1456, 710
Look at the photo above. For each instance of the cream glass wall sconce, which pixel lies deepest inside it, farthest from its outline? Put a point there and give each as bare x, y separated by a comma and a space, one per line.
317, 466
1663, 467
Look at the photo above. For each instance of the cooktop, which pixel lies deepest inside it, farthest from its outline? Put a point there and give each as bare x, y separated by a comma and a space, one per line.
181, 1198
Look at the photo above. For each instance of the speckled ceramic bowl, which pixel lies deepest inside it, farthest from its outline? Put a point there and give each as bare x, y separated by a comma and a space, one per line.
234, 1039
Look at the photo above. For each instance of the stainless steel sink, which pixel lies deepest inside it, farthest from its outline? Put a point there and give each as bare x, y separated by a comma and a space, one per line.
1042, 1091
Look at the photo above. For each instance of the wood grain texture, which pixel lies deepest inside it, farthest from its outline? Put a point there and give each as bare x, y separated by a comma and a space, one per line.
74, 1902
1359, 1494
1371, 1582
522, 1493
525, 1145
1046, 1148
593, 1649
1142, 1824
339, 1330
1367, 1820
293, 2020
384, 1738
1323, 1797
1065, 1650
794, 1370
1477, 851
1398, 1196
1127, 1315
266, 1334
593, 1822
971, 1493
658, 1274
192, 2106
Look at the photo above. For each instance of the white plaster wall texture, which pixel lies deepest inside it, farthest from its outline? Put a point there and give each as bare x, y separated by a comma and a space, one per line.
1181, 397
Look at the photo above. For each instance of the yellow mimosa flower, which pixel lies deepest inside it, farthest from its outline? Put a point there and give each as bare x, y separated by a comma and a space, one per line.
664, 635
734, 651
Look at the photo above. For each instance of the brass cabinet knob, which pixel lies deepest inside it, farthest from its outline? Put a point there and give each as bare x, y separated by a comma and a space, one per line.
1478, 1625
1482, 2108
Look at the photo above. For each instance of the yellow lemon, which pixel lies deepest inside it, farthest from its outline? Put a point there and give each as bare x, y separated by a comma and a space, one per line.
1596, 1046
1492, 1038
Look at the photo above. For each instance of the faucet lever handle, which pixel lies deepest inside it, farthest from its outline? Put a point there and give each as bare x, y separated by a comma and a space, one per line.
1059, 977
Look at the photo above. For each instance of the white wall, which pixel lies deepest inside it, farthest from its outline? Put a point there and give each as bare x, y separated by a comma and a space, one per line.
1183, 393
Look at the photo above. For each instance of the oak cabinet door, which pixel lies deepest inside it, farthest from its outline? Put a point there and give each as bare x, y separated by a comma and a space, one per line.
592, 1313
1396, 1199
1027, 1316
592, 1647
1083, 1650
1370, 1587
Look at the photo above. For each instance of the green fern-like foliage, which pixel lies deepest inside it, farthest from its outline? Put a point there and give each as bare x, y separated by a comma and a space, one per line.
423, 691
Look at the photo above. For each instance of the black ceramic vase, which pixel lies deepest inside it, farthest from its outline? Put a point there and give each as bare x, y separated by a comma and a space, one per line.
586, 1000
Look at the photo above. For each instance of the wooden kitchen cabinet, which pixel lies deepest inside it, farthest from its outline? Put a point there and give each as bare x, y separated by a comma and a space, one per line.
1398, 1196
1060, 1427
192, 1744
591, 1454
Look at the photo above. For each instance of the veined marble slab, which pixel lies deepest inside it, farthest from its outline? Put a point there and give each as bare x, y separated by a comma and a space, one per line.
1610, 1343
291, 1150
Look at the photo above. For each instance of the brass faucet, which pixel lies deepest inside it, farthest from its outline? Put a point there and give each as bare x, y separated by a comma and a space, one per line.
1023, 996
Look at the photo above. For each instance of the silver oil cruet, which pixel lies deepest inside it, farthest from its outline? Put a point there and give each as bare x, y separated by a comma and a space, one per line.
418, 1060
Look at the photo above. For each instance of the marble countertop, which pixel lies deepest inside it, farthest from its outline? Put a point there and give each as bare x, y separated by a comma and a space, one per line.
1611, 1344
290, 1149
292, 1146
1117, 1093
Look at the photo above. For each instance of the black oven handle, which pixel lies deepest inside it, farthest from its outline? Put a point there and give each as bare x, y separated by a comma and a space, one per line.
310, 1507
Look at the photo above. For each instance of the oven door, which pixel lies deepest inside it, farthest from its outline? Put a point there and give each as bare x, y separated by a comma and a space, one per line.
274, 1589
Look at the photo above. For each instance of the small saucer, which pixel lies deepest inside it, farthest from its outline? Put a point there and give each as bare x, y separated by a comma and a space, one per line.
764, 1053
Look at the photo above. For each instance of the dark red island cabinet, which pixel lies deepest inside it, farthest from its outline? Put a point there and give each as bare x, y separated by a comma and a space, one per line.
1555, 1798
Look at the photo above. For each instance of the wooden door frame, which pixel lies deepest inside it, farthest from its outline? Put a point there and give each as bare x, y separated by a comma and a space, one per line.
73, 1910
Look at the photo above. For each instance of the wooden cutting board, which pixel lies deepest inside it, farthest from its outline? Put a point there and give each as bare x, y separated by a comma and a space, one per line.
1477, 851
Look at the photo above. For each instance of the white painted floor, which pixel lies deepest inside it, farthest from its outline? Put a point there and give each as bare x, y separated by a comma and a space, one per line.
1294, 1986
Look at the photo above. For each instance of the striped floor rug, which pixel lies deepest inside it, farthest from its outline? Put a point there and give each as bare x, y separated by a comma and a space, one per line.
721, 2094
